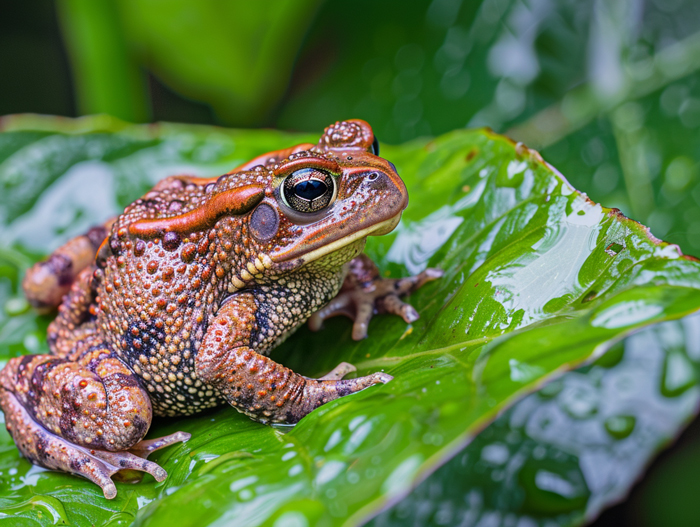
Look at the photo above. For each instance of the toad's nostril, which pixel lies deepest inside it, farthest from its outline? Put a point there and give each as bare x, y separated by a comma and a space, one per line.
378, 181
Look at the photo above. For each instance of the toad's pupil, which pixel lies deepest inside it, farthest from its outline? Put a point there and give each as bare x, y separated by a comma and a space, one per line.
310, 189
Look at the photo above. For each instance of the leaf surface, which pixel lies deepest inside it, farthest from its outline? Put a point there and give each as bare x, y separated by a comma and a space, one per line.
561, 455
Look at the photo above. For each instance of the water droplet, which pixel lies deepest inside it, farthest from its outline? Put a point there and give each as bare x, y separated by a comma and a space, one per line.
496, 453
552, 482
242, 483
16, 306
523, 372
335, 438
614, 249
580, 402
329, 471
551, 389
403, 473
245, 495
553, 486
678, 374
357, 421
620, 426
292, 519
296, 469
612, 357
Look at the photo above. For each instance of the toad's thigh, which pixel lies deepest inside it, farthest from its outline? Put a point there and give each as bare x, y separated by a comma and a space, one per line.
96, 402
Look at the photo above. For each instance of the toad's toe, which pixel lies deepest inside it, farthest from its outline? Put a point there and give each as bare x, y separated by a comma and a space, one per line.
360, 300
45, 448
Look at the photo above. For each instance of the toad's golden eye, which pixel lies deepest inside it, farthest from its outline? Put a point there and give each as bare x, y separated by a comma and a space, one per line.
308, 190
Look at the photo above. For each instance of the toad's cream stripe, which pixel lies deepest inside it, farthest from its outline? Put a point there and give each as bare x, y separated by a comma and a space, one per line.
384, 227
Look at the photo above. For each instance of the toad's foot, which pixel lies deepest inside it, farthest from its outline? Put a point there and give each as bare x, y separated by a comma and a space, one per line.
342, 369
365, 294
45, 448
360, 383
337, 373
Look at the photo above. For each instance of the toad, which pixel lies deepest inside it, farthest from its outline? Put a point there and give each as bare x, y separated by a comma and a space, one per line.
173, 307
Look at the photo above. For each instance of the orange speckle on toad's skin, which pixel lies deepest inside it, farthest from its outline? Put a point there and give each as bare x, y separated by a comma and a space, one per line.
173, 306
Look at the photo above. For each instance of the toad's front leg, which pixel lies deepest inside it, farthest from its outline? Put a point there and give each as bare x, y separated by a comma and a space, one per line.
365, 293
256, 385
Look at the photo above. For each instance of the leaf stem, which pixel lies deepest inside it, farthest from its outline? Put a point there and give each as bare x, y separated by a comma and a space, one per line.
107, 79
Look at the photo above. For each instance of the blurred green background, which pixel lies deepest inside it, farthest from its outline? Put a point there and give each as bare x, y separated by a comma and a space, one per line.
608, 91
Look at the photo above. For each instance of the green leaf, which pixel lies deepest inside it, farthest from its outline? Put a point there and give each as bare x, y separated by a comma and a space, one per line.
107, 78
562, 454
236, 56
538, 279
642, 158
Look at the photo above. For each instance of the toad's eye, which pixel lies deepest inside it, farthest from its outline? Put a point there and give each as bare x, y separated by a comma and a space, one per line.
308, 190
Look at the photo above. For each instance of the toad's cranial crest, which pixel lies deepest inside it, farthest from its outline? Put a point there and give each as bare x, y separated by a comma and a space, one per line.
173, 306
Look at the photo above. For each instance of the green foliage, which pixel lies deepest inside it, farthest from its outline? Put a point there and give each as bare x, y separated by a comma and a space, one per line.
538, 279
561, 455
236, 56
107, 80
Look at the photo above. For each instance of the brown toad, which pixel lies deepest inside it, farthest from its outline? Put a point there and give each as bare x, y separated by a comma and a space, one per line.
172, 307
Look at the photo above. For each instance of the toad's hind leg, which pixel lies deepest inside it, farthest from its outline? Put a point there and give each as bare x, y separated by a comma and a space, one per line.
85, 416
46, 283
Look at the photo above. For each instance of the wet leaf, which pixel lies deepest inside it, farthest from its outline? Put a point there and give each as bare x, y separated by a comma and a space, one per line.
538, 279
564, 453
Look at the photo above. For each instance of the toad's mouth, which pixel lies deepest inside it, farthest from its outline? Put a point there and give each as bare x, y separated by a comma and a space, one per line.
379, 229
